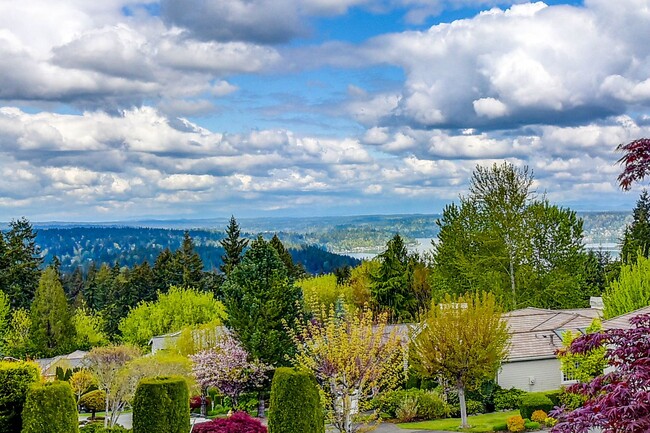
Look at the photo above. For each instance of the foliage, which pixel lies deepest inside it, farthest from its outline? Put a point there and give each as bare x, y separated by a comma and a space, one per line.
352, 356
88, 327
531, 425
500, 427
430, 404
582, 367
464, 340
479, 423
474, 407
51, 332
636, 238
516, 424
324, 289
407, 409
50, 408
550, 421
390, 291
20, 261
108, 364
508, 399
94, 401
161, 405
631, 291
233, 246
198, 338
259, 298
16, 378
295, 405
539, 416
295, 271
95, 427
239, 422
534, 401
227, 367
571, 400
617, 401
63, 375
169, 313
635, 161
17, 341
195, 401
503, 240
5, 317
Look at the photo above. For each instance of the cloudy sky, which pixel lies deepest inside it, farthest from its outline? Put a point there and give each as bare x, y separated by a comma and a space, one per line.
118, 109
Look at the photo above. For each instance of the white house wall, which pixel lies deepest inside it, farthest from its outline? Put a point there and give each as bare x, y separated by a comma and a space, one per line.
532, 376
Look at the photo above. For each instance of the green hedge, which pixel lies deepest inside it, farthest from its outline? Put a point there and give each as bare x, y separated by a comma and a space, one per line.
295, 403
161, 405
534, 401
50, 408
508, 399
16, 378
554, 396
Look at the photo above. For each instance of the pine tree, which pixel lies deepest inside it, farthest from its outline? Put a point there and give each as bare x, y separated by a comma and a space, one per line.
189, 264
52, 332
233, 246
636, 238
23, 258
295, 271
165, 272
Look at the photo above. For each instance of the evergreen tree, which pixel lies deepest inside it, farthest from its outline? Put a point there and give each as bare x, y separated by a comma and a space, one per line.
89, 290
73, 284
636, 238
259, 299
295, 271
188, 264
52, 332
142, 279
233, 246
165, 273
23, 259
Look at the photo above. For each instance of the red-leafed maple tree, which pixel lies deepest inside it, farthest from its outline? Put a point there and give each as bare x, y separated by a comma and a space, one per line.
636, 162
617, 401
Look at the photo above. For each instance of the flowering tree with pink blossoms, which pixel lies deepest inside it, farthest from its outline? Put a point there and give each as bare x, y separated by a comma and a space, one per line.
227, 367
617, 401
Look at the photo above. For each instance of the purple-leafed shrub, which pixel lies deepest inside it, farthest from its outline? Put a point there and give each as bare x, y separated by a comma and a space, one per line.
239, 422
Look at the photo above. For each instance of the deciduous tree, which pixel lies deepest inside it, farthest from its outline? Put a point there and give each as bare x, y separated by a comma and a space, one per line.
462, 339
630, 291
582, 367
635, 161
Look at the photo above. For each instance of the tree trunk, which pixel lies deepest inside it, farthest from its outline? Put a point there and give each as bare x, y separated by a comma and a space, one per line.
512, 281
260, 405
106, 413
203, 403
463, 407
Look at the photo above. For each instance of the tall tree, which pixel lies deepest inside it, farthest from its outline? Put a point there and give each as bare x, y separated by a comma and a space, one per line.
52, 332
23, 263
630, 291
260, 299
189, 264
165, 272
295, 270
636, 239
463, 340
234, 246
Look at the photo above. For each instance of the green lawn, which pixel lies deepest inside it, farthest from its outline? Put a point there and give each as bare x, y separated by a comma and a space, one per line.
479, 423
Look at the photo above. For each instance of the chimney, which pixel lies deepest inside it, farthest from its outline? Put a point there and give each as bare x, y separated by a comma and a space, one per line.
596, 302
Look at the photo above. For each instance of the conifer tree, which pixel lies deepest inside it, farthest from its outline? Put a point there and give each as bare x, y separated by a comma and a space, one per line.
189, 264
233, 246
295, 271
636, 238
23, 259
52, 332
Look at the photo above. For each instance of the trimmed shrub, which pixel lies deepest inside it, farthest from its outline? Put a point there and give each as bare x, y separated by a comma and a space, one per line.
538, 416
94, 401
239, 422
515, 424
98, 427
500, 427
532, 425
50, 408
508, 399
534, 401
554, 396
16, 378
295, 405
161, 405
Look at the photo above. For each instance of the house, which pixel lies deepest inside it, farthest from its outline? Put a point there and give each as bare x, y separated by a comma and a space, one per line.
536, 335
161, 342
70, 361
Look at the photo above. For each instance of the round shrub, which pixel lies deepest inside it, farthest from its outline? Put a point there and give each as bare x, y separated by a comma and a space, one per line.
534, 401
531, 425
508, 399
239, 422
50, 408
554, 396
16, 378
408, 409
161, 405
538, 416
295, 405
431, 405
516, 424
94, 401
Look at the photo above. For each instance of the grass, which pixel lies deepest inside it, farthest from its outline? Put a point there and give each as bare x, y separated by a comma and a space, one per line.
479, 423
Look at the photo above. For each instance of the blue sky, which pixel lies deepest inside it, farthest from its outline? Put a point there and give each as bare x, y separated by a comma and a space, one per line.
122, 109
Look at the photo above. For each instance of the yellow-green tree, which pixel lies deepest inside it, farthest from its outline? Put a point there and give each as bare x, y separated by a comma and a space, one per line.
582, 367
463, 340
630, 291
80, 382
353, 356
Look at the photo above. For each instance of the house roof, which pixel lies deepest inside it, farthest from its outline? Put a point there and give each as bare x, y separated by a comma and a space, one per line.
623, 321
72, 360
536, 332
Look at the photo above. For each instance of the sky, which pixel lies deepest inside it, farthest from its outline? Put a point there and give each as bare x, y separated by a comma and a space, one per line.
119, 109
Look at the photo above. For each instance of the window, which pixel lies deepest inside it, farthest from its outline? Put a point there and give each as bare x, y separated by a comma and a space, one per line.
569, 376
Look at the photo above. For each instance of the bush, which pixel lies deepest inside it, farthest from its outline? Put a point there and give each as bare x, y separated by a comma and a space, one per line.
538, 416
93, 401
473, 407
534, 401
531, 425
15, 377
500, 427
239, 422
195, 402
554, 396
50, 408
515, 423
98, 427
550, 421
295, 403
161, 405
407, 409
508, 399
571, 401
430, 404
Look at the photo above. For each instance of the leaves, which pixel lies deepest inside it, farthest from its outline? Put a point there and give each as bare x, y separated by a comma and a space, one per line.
635, 161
